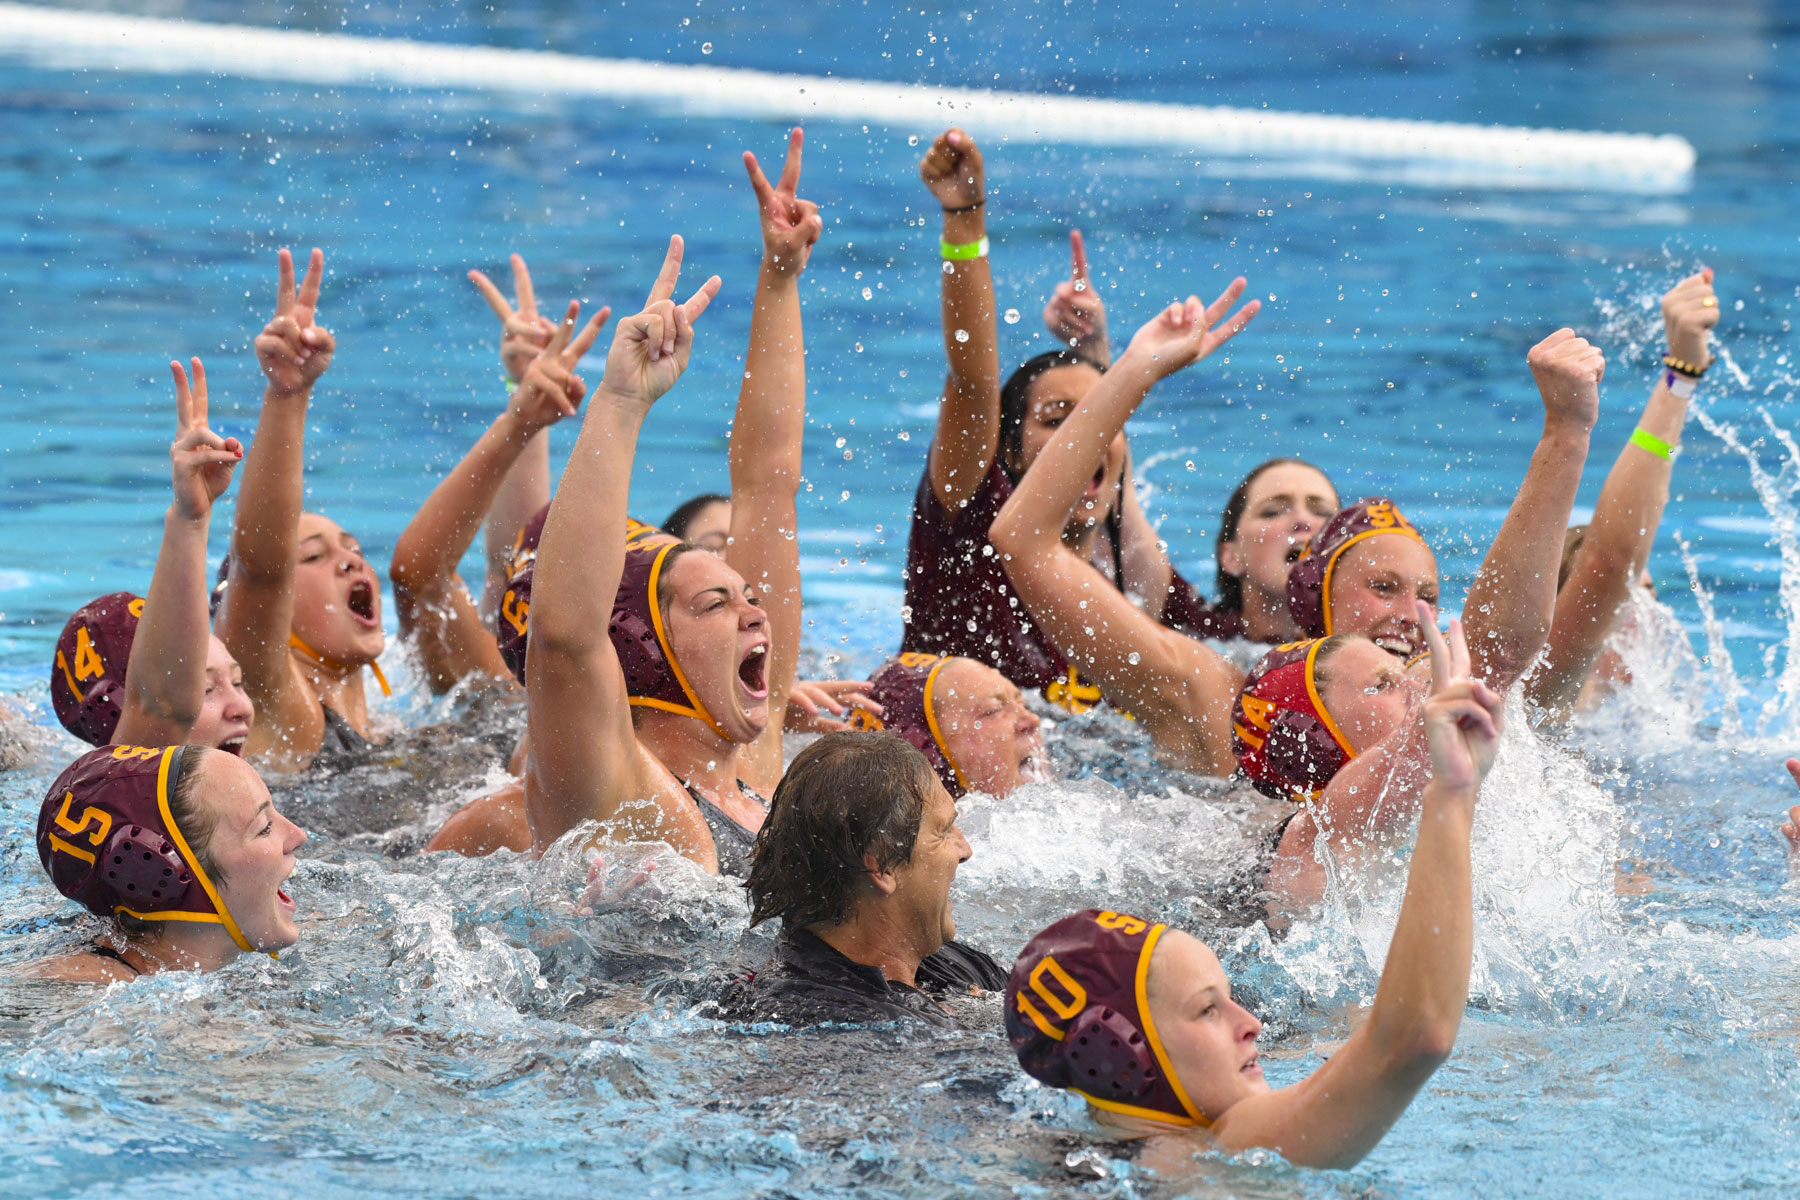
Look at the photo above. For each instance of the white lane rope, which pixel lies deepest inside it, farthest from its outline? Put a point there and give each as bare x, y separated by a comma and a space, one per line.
1255, 142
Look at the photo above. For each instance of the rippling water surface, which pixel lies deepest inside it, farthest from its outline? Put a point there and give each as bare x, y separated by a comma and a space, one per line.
450, 1027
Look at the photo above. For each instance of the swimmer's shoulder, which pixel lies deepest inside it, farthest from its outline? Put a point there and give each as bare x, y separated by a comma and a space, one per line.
496, 821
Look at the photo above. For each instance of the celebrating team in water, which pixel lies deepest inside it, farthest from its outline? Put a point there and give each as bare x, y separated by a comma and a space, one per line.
658, 666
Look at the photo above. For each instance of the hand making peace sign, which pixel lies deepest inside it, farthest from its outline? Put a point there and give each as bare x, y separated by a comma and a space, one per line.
201, 461
294, 351
550, 390
523, 332
650, 350
790, 226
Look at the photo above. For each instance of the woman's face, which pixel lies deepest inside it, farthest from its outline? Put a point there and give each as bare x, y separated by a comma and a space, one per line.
337, 599
1285, 506
1373, 588
1368, 692
1054, 395
996, 741
225, 710
710, 528
1210, 1038
721, 639
253, 847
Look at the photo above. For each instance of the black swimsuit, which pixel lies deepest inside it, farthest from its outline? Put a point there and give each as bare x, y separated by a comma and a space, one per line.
734, 845
339, 743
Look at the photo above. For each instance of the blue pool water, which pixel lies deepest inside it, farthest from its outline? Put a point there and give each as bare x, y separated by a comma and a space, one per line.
452, 1028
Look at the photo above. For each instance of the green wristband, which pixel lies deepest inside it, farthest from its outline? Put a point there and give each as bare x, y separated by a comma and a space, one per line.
1652, 443
964, 252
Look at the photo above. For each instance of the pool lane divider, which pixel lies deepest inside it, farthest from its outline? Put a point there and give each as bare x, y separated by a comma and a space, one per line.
1252, 142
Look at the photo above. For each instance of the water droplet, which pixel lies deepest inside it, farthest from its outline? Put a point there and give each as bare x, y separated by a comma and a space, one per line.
913, 140
962, 335
949, 266
1012, 316
706, 47
840, 443
859, 347
1081, 285
1132, 658
868, 293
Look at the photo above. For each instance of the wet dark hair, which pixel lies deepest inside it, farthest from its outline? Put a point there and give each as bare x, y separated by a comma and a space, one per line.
676, 523
1229, 587
1015, 401
846, 795
195, 823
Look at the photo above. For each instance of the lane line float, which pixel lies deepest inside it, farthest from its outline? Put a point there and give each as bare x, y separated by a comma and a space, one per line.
1254, 141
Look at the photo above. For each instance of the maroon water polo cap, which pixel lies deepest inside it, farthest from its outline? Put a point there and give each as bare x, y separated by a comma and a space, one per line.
904, 687
109, 842
1309, 581
87, 677
1284, 739
512, 624
1078, 1017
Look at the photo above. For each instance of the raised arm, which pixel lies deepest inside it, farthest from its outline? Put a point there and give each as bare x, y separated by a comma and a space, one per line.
1338, 1114
256, 618
1617, 545
1513, 597
968, 428
585, 760
766, 442
434, 607
165, 681
1178, 687
524, 333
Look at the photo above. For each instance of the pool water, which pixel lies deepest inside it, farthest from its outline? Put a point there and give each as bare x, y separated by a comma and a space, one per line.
455, 1028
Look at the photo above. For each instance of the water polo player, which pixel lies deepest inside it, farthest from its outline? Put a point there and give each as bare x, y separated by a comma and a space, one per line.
988, 434
656, 675
149, 670
302, 608
180, 847
1139, 1019
1182, 692
968, 720
1268, 520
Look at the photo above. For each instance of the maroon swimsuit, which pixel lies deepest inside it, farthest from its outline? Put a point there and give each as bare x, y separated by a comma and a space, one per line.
959, 601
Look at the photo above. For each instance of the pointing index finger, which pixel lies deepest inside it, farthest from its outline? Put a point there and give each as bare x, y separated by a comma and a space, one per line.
315, 275
183, 402
491, 294
1078, 254
670, 273
522, 287
284, 283
197, 411
790, 170
1440, 652
759, 183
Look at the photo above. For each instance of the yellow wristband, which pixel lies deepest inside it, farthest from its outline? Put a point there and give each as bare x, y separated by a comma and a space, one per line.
1652, 443
953, 252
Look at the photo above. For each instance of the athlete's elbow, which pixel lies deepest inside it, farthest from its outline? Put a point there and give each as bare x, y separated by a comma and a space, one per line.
1428, 1044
